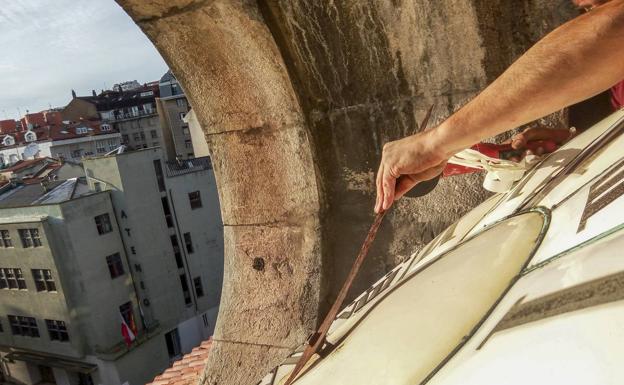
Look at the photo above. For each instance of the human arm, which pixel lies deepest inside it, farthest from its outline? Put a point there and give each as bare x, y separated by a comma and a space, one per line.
579, 59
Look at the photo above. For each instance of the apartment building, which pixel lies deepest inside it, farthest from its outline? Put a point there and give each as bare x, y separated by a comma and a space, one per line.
129, 110
172, 107
49, 134
137, 242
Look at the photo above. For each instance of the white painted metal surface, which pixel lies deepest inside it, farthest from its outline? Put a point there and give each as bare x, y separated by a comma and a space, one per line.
528, 288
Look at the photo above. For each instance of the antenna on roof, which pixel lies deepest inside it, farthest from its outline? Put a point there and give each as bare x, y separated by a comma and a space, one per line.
73, 94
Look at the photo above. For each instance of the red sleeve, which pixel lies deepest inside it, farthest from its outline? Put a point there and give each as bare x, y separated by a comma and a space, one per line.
617, 95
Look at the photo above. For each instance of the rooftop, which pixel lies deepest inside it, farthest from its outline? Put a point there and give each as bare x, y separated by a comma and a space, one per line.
188, 369
115, 99
66, 130
186, 166
56, 191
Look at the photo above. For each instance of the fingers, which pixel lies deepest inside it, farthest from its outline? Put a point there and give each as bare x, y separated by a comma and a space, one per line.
407, 182
379, 198
518, 141
388, 185
404, 184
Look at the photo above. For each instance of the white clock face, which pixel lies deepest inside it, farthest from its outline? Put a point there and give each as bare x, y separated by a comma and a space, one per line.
514, 292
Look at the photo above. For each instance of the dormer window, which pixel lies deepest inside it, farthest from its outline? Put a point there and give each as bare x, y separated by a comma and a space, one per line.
81, 130
8, 140
105, 127
30, 136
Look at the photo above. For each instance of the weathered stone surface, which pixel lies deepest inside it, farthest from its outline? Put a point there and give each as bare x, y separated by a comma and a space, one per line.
229, 65
297, 98
261, 162
154, 9
232, 71
271, 286
229, 362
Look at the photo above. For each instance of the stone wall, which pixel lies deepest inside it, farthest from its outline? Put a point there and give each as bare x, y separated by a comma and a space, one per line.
296, 99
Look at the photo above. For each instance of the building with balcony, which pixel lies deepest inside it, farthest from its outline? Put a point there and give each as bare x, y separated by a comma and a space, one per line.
130, 111
137, 242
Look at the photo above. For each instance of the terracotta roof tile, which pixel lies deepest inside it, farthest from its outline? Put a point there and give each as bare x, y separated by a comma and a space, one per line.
186, 370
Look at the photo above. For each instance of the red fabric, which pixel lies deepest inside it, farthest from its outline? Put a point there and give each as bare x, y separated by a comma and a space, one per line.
617, 95
128, 331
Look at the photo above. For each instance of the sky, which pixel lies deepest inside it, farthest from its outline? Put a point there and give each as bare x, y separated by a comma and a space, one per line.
50, 47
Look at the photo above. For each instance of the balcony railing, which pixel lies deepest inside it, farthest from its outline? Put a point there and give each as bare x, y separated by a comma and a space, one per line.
130, 115
186, 166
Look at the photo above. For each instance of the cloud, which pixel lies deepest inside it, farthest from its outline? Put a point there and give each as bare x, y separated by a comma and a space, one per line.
53, 46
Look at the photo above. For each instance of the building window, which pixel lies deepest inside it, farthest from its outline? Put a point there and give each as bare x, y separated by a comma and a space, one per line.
176, 251
29, 237
23, 326
81, 130
155, 144
199, 289
181, 102
185, 289
115, 266
57, 330
159, 175
188, 143
205, 318
124, 138
182, 116
167, 211
12, 278
195, 200
186, 131
142, 133
5, 239
76, 153
43, 280
188, 242
100, 146
103, 224
172, 339
154, 134
30, 136
136, 137
105, 127
128, 316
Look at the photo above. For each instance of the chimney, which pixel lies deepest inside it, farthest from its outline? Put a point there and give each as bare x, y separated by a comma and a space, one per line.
93, 93
73, 94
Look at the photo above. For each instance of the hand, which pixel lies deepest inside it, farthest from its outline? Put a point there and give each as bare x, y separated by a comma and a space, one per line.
405, 163
557, 135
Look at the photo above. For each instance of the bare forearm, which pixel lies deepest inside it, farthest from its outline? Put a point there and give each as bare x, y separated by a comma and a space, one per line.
576, 61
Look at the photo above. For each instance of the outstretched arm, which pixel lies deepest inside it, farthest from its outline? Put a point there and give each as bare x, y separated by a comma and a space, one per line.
580, 59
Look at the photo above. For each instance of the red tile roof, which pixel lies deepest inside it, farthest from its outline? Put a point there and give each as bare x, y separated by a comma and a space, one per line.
188, 369
8, 125
60, 132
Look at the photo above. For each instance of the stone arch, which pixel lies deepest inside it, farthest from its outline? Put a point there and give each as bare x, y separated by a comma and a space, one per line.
296, 99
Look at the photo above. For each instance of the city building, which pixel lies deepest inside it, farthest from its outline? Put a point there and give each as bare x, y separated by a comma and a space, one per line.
109, 278
172, 107
129, 110
48, 134
200, 146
